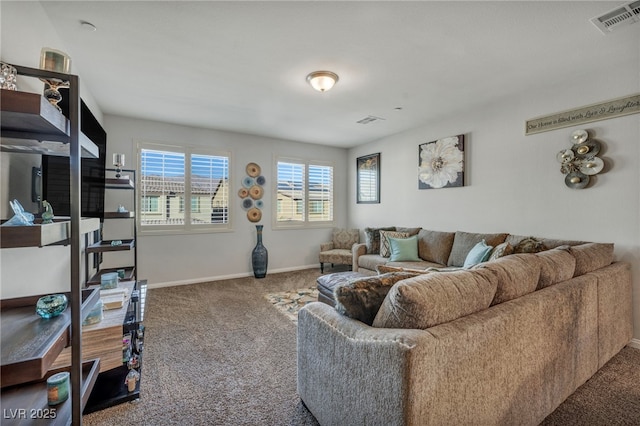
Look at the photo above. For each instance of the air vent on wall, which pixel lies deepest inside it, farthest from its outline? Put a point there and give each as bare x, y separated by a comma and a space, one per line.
620, 16
369, 119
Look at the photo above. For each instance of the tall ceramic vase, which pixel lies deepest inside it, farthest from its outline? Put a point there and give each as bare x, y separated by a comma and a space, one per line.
259, 256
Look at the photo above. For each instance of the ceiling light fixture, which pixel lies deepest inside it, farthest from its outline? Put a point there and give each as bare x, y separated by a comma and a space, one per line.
322, 80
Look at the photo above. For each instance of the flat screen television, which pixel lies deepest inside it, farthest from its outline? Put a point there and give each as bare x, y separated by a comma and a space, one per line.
55, 173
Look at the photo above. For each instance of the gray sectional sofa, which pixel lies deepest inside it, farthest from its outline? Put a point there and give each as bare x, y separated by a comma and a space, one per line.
501, 343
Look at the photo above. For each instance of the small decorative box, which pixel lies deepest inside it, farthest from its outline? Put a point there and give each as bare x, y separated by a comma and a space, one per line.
95, 315
109, 280
58, 388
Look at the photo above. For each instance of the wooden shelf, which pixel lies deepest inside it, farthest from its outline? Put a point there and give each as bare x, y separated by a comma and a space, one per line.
104, 339
118, 183
30, 124
102, 246
40, 235
31, 344
119, 215
32, 399
128, 274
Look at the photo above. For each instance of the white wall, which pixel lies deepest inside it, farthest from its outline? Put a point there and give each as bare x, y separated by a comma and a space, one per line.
24, 30
513, 182
179, 259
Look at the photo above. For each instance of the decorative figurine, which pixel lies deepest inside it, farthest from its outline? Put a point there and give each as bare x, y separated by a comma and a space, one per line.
131, 380
47, 214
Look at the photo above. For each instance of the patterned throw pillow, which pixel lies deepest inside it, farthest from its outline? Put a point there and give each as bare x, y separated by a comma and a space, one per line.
372, 238
529, 245
385, 250
361, 298
501, 250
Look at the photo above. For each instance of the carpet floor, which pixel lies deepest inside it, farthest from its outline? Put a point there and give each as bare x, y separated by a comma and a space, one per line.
219, 353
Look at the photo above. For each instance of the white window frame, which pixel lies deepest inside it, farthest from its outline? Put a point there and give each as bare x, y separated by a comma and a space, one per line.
187, 227
306, 223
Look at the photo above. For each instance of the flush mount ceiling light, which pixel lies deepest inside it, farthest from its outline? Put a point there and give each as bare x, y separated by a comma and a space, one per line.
322, 80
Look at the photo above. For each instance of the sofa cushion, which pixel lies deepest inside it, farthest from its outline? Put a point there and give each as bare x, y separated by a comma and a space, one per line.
404, 249
385, 251
463, 242
427, 300
345, 238
435, 246
478, 254
503, 249
383, 269
372, 238
410, 231
370, 261
423, 264
360, 298
515, 275
556, 265
591, 256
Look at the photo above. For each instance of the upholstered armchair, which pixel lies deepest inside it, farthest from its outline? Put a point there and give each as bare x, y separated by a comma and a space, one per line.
338, 251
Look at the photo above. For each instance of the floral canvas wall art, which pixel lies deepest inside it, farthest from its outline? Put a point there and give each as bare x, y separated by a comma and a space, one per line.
441, 163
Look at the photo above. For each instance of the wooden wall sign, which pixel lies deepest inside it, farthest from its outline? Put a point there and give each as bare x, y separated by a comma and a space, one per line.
595, 112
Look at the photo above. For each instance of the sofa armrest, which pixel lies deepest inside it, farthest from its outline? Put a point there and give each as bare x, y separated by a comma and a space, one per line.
339, 357
357, 250
326, 246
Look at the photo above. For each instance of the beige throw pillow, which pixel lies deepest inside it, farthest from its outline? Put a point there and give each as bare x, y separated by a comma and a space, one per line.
385, 250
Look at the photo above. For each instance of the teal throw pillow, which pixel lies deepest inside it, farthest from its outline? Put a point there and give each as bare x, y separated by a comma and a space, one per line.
479, 253
404, 249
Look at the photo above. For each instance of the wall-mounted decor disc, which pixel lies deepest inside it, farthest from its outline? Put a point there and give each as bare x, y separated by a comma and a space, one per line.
254, 215
253, 169
248, 182
591, 166
243, 193
565, 156
256, 192
588, 148
579, 136
247, 203
260, 180
259, 204
576, 180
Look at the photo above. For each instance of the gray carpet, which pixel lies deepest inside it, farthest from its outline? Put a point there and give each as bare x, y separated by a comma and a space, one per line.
219, 353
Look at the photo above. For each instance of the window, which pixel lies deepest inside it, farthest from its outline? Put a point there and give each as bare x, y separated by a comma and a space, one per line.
171, 175
304, 193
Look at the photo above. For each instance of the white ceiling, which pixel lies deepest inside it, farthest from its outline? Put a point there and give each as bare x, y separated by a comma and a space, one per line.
241, 66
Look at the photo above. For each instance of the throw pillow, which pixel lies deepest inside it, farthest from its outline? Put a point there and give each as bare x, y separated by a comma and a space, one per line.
431, 299
478, 254
383, 269
463, 242
372, 238
435, 246
404, 249
529, 245
361, 298
501, 250
385, 251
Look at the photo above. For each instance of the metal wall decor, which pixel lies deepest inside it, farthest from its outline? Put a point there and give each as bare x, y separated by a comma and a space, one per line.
251, 192
580, 161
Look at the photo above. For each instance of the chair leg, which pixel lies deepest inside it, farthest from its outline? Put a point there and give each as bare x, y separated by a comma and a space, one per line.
321, 267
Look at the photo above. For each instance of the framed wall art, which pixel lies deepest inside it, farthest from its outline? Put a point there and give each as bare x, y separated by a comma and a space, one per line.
368, 179
441, 163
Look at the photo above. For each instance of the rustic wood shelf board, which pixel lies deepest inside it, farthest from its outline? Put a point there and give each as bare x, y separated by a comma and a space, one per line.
118, 183
105, 245
32, 397
128, 274
31, 344
119, 215
40, 235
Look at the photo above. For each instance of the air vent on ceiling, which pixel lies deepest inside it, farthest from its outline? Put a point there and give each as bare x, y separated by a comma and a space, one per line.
369, 119
620, 16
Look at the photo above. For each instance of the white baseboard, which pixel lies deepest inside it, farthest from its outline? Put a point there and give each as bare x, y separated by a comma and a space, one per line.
226, 277
635, 343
